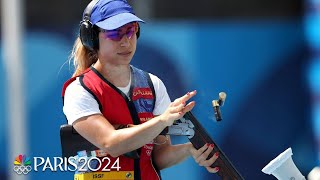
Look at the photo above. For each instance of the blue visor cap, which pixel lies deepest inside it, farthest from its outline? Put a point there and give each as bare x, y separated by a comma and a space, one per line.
112, 14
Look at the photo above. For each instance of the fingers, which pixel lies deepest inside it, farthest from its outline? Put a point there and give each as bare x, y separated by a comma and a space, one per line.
178, 108
210, 161
185, 98
213, 170
196, 153
201, 160
179, 105
202, 154
182, 108
188, 107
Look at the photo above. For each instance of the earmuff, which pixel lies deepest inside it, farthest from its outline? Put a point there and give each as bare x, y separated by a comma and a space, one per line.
88, 33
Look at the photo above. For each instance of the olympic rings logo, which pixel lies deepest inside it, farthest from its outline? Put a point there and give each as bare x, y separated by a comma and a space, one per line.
22, 169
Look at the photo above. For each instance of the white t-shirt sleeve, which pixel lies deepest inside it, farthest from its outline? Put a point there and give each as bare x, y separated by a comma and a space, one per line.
78, 102
162, 97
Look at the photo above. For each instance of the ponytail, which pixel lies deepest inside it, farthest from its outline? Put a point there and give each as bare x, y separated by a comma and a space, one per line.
82, 57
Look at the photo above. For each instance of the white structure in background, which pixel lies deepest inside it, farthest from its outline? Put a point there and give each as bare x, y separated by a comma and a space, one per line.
314, 174
283, 167
12, 28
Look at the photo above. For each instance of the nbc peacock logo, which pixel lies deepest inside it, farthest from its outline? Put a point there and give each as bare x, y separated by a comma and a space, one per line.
22, 164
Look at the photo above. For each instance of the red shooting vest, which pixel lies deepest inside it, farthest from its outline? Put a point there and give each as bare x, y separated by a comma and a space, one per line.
117, 108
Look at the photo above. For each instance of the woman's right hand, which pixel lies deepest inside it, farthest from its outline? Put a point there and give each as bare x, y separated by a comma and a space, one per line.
178, 108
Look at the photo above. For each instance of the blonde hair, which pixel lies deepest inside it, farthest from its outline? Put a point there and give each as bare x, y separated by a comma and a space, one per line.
82, 57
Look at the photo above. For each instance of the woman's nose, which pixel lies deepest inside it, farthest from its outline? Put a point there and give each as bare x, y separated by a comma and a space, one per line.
125, 41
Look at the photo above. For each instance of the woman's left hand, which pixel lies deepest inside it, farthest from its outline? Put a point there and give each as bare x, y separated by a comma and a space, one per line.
201, 155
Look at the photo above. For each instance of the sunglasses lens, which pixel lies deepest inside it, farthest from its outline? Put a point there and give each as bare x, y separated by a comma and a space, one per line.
116, 35
113, 36
130, 32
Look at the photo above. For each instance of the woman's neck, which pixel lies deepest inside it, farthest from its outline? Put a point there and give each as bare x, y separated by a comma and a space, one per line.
118, 75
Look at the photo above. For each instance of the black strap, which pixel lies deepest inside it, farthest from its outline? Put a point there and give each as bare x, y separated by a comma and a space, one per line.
150, 83
88, 10
136, 121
